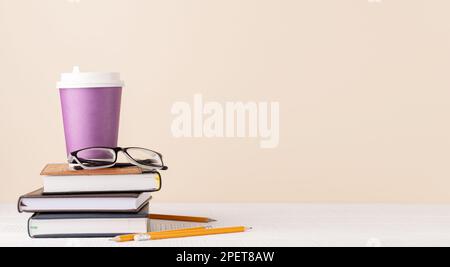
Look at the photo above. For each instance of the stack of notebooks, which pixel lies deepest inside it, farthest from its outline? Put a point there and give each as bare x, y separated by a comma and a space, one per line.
90, 203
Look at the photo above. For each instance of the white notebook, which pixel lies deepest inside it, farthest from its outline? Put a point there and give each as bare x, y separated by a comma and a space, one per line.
37, 201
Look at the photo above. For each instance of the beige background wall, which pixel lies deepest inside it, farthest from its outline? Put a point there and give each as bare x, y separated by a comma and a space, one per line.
364, 90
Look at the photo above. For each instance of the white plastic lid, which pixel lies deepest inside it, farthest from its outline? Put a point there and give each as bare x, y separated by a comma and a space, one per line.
77, 79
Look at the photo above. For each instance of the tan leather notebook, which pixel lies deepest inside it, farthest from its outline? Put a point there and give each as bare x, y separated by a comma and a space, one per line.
64, 170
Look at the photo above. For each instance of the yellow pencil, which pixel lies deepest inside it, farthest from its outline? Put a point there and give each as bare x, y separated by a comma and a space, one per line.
203, 232
180, 218
127, 238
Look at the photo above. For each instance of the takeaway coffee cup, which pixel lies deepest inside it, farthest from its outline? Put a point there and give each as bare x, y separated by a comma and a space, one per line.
91, 108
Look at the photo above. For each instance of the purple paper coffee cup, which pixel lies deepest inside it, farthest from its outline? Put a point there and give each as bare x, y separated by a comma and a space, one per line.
91, 109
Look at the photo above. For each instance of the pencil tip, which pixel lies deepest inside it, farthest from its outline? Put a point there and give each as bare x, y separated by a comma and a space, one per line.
212, 220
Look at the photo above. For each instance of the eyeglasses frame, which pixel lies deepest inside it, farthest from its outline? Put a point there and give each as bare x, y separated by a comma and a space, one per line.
74, 157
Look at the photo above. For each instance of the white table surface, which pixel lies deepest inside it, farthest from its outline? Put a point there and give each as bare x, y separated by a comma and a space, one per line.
279, 225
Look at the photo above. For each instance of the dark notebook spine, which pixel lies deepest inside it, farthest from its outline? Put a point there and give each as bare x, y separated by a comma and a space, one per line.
19, 205
29, 227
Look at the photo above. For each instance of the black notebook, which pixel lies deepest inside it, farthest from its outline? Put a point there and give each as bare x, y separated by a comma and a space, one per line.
37, 201
87, 225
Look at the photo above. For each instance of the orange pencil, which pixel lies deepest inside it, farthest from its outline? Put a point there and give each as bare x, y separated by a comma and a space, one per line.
127, 238
204, 232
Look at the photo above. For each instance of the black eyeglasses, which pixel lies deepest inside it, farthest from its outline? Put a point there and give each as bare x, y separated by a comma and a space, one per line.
105, 157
